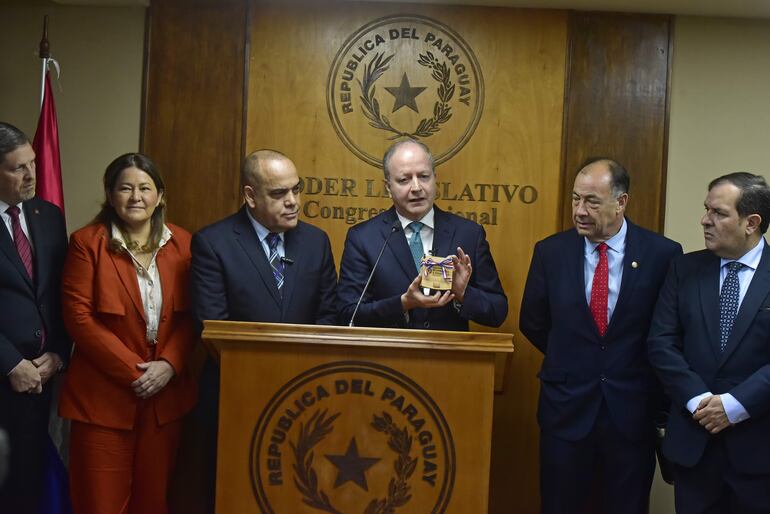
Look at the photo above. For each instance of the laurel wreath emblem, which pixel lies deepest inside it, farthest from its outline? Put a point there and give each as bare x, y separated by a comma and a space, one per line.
398, 489
306, 478
442, 111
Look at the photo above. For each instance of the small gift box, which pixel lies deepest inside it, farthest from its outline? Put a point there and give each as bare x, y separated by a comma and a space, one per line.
436, 272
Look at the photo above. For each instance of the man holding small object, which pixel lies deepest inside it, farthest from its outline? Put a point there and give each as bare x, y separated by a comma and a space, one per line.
390, 263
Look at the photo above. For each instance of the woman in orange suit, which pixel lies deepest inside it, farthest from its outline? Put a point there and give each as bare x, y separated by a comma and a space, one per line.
125, 305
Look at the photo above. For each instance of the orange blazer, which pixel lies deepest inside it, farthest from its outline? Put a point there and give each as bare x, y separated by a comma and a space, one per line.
103, 312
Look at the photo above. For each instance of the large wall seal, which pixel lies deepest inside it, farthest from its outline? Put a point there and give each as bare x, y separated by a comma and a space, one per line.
352, 437
405, 76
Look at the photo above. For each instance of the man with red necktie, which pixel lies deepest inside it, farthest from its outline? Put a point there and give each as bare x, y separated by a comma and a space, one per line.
33, 343
587, 306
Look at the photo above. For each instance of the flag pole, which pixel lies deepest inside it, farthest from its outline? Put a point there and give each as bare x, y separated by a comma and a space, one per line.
44, 53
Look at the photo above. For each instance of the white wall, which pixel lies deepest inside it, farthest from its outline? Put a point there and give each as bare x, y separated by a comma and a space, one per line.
100, 50
720, 114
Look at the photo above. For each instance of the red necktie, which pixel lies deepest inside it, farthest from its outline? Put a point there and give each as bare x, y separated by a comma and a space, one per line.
600, 290
21, 241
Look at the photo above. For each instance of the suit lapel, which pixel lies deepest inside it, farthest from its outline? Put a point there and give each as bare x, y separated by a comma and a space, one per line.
167, 279
755, 295
634, 253
708, 284
576, 261
398, 245
247, 239
291, 240
40, 248
126, 269
9, 249
443, 233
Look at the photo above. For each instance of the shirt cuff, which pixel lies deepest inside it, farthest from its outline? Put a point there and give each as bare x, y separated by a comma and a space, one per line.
733, 408
693, 403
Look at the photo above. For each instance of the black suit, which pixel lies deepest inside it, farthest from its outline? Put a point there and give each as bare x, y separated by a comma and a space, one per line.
232, 280
28, 310
484, 302
684, 347
598, 392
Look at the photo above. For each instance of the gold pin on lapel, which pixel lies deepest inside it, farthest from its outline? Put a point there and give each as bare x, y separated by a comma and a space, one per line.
634, 264
37, 211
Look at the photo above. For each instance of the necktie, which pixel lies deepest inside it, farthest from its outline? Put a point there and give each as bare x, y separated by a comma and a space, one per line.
728, 302
600, 290
21, 241
275, 259
415, 243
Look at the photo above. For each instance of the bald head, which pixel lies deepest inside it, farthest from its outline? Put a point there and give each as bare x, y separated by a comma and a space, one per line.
271, 188
257, 165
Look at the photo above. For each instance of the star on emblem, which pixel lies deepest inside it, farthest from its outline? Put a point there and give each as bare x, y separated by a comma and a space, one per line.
405, 95
351, 467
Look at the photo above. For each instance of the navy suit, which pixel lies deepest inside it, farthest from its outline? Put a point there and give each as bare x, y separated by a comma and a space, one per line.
231, 279
484, 302
684, 348
28, 309
590, 383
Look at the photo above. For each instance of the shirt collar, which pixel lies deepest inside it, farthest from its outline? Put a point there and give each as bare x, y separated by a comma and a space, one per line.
616, 242
427, 220
118, 235
751, 258
4, 206
259, 228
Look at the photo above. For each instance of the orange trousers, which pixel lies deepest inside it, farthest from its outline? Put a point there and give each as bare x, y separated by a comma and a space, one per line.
116, 471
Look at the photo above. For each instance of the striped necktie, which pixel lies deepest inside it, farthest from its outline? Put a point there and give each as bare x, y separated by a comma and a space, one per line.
21, 241
276, 263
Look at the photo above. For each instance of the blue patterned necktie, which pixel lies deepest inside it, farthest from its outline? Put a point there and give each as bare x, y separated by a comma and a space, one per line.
728, 302
415, 243
276, 264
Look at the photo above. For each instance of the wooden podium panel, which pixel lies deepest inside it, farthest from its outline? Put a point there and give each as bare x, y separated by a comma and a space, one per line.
353, 420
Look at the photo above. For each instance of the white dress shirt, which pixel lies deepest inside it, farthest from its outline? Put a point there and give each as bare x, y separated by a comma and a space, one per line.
616, 252
426, 233
22, 220
150, 288
262, 234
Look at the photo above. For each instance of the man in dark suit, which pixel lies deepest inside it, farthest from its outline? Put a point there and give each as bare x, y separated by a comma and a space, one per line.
33, 343
710, 344
260, 264
394, 297
587, 306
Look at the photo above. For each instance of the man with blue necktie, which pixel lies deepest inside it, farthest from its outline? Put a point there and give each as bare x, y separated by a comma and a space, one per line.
587, 306
710, 344
402, 235
259, 264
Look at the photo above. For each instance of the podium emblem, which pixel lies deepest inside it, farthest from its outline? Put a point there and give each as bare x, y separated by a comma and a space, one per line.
404, 76
352, 437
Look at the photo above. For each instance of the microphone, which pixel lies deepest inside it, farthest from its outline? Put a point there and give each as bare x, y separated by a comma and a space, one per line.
286, 260
393, 229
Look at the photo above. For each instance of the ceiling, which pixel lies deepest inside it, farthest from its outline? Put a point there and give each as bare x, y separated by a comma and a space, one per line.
717, 8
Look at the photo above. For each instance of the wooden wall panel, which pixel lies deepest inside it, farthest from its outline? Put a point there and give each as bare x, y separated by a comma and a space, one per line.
616, 104
522, 55
192, 119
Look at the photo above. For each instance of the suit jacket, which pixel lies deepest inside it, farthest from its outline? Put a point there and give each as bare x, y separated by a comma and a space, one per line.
103, 312
582, 368
232, 278
484, 302
684, 349
27, 307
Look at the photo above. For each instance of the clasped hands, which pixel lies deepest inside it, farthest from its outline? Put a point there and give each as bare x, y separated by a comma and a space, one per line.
414, 297
156, 376
29, 376
711, 414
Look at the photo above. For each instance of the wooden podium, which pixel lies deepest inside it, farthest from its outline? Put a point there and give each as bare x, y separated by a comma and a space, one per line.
316, 419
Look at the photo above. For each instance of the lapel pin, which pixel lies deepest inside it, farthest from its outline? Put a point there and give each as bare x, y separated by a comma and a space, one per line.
634, 264
37, 211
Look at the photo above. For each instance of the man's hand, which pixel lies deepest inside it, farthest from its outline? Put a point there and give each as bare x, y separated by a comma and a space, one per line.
47, 365
25, 378
414, 298
711, 414
461, 275
156, 376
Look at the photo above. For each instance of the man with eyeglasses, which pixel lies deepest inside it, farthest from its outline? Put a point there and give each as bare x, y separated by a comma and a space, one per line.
260, 264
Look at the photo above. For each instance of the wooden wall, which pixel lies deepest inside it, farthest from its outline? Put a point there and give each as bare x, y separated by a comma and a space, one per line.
227, 77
